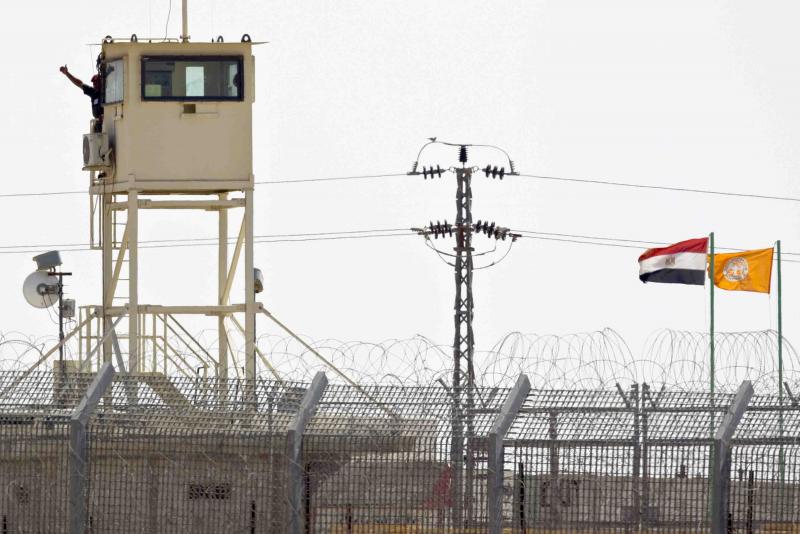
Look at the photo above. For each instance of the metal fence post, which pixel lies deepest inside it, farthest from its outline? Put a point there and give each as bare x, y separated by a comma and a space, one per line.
552, 495
722, 458
634, 404
294, 452
646, 515
496, 453
78, 448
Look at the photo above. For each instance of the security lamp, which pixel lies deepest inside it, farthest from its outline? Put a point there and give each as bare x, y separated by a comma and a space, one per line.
258, 281
48, 260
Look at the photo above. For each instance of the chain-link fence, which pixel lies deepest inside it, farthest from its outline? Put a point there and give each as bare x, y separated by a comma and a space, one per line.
177, 455
34, 449
146, 453
765, 468
386, 456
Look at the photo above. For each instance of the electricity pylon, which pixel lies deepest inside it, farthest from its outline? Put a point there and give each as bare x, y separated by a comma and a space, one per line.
464, 339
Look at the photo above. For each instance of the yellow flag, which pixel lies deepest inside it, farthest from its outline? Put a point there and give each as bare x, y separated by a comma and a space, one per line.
750, 270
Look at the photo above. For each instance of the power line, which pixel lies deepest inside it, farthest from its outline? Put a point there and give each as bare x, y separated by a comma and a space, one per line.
42, 194
564, 240
560, 179
331, 179
268, 182
214, 239
625, 240
277, 238
582, 239
660, 187
531, 176
320, 238
615, 242
599, 238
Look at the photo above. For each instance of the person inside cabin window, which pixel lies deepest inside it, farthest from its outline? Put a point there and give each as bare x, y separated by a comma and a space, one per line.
94, 92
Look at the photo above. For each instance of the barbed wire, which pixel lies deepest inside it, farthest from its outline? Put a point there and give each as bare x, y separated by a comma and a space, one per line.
18, 350
682, 359
670, 359
590, 360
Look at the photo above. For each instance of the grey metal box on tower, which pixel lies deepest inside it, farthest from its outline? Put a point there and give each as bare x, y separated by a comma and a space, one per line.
68, 308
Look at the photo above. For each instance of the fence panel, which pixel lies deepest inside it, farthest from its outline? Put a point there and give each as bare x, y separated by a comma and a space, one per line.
764, 493
677, 431
571, 462
178, 455
379, 460
765, 477
182, 459
678, 486
35, 410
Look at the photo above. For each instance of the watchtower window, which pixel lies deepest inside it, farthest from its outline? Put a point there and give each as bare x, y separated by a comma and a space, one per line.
115, 76
192, 78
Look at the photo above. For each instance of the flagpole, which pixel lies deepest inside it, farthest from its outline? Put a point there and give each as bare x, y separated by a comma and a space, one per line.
711, 370
711, 346
780, 328
782, 453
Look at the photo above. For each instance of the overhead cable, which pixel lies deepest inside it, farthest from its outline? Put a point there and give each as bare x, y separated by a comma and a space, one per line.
531, 176
625, 240
295, 238
214, 239
615, 243
267, 182
42, 194
330, 179
583, 239
660, 187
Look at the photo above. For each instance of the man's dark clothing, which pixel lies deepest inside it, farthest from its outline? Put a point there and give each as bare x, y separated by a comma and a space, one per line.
95, 95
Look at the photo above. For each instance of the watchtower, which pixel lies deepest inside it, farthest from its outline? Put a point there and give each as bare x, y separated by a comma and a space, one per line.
176, 135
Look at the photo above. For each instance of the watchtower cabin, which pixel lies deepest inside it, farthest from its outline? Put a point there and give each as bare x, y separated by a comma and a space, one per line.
176, 134
178, 118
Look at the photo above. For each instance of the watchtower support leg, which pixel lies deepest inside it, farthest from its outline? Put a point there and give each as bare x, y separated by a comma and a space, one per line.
133, 282
108, 248
249, 289
222, 279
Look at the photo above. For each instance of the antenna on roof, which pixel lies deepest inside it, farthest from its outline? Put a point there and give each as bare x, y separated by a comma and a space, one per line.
185, 19
45, 287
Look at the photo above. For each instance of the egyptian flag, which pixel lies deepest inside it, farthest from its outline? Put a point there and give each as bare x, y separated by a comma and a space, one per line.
681, 263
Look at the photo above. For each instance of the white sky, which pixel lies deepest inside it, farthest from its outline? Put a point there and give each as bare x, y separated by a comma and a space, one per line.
684, 94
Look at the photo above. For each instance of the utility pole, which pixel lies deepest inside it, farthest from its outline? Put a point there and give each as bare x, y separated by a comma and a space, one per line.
61, 310
463, 383
464, 341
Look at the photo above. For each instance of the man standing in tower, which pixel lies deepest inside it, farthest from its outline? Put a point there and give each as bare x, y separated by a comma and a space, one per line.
94, 92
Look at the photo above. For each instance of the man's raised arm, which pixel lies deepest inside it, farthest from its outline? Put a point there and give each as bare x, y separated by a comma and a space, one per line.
65, 71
